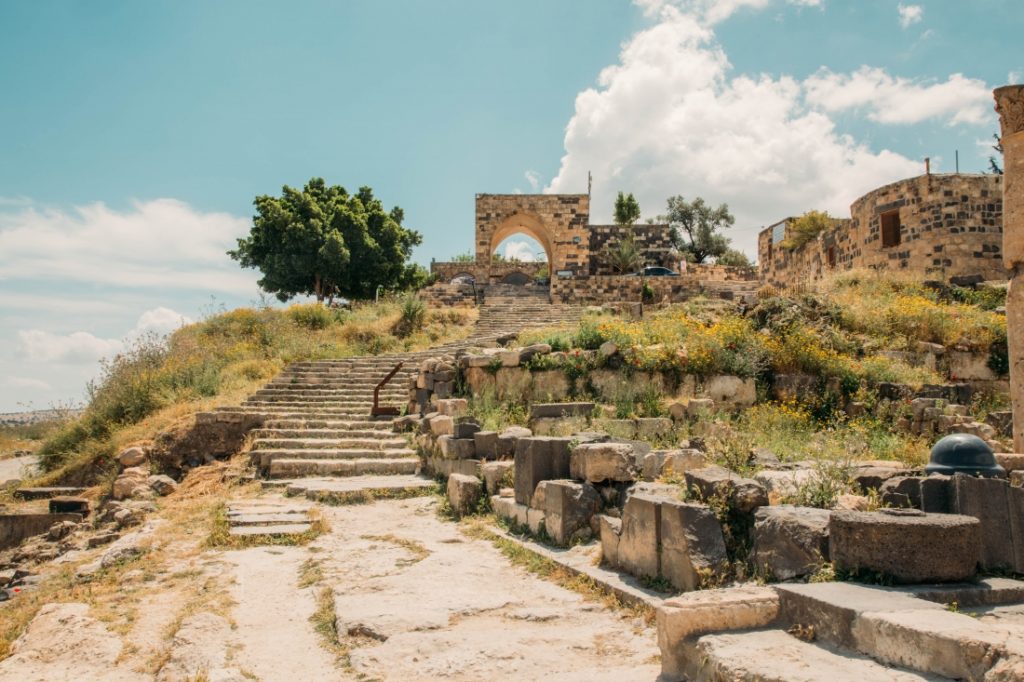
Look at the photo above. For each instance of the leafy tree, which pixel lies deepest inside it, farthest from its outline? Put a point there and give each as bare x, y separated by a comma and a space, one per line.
806, 228
993, 165
697, 226
323, 241
627, 210
734, 257
623, 255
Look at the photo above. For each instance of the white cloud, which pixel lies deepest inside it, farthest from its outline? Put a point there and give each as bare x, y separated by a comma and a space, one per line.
669, 119
75, 348
27, 383
909, 14
163, 243
710, 12
85, 348
518, 250
533, 177
1013, 77
899, 100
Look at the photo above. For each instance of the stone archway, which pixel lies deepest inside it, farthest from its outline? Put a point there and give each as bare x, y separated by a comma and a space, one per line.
525, 224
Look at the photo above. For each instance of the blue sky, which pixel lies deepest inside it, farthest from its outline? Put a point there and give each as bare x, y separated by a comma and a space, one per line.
136, 134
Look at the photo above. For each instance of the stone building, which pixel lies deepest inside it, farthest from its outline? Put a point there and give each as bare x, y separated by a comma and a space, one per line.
944, 226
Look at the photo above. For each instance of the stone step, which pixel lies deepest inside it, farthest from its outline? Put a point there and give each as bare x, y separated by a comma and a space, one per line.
776, 656
269, 455
318, 434
330, 444
325, 425
279, 529
896, 628
278, 413
293, 468
313, 488
255, 519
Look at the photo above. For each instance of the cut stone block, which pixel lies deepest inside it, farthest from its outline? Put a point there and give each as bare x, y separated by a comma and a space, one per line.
539, 458
465, 430
568, 508
907, 545
650, 428
494, 473
988, 500
507, 508
463, 493
442, 425
692, 545
730, 390
659, 463
486, 444
596, 462
507, 439
640, 539
557, 410
697, 613
610, 528
902, 491
789, 542
937, 494
744, 494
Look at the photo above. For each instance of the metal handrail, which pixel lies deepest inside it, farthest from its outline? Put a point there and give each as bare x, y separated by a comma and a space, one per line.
377, 410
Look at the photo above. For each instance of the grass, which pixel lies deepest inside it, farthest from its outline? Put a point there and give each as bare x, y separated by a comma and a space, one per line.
416, 549
218, 361
220, 533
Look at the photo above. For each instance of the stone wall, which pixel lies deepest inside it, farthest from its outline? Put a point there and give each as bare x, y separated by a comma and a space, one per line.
654, 242
494, 273
940, 226
608, 288
443, 295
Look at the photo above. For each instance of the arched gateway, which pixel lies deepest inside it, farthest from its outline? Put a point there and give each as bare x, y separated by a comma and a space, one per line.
558, 222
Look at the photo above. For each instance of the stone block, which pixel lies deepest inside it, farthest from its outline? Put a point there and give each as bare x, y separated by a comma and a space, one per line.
535, 520
937, 494
494, 473
789, 542
909, 546
640, 539
731, 391
692, 545
902, 491
698, 406
568, 508
539, 458
659, 463
508, 508
131, 457
596, 462
988, 500
744, 494
650, 428
558, 426
462, 448
709, 611
507, 439
486, 443
1010, 461
677, 411
442, 425
620, 428
510, 358
550, 385
463, 493
465, 430
871, 476
558, 410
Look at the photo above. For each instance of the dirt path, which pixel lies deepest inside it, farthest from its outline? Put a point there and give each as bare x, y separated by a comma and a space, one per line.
417, 599
414, 597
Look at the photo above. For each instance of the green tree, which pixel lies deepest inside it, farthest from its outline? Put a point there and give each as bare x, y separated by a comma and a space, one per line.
993, 165
325, 242
734, 257
806, 228
627, 210
697, 227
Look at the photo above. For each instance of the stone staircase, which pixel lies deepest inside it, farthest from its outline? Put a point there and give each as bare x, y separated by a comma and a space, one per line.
849, 632
509, 309
317, 414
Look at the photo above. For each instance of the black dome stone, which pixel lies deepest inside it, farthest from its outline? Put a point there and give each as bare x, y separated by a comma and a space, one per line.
965, 454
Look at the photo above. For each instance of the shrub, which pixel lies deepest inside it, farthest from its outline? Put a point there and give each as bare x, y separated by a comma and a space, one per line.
412, 314
314, 315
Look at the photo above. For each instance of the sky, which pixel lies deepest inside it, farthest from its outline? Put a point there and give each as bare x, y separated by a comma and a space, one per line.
135, 135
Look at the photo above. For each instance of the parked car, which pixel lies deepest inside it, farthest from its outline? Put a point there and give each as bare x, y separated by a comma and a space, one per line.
656, 271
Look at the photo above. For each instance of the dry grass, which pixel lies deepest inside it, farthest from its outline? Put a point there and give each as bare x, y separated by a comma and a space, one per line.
418, 551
